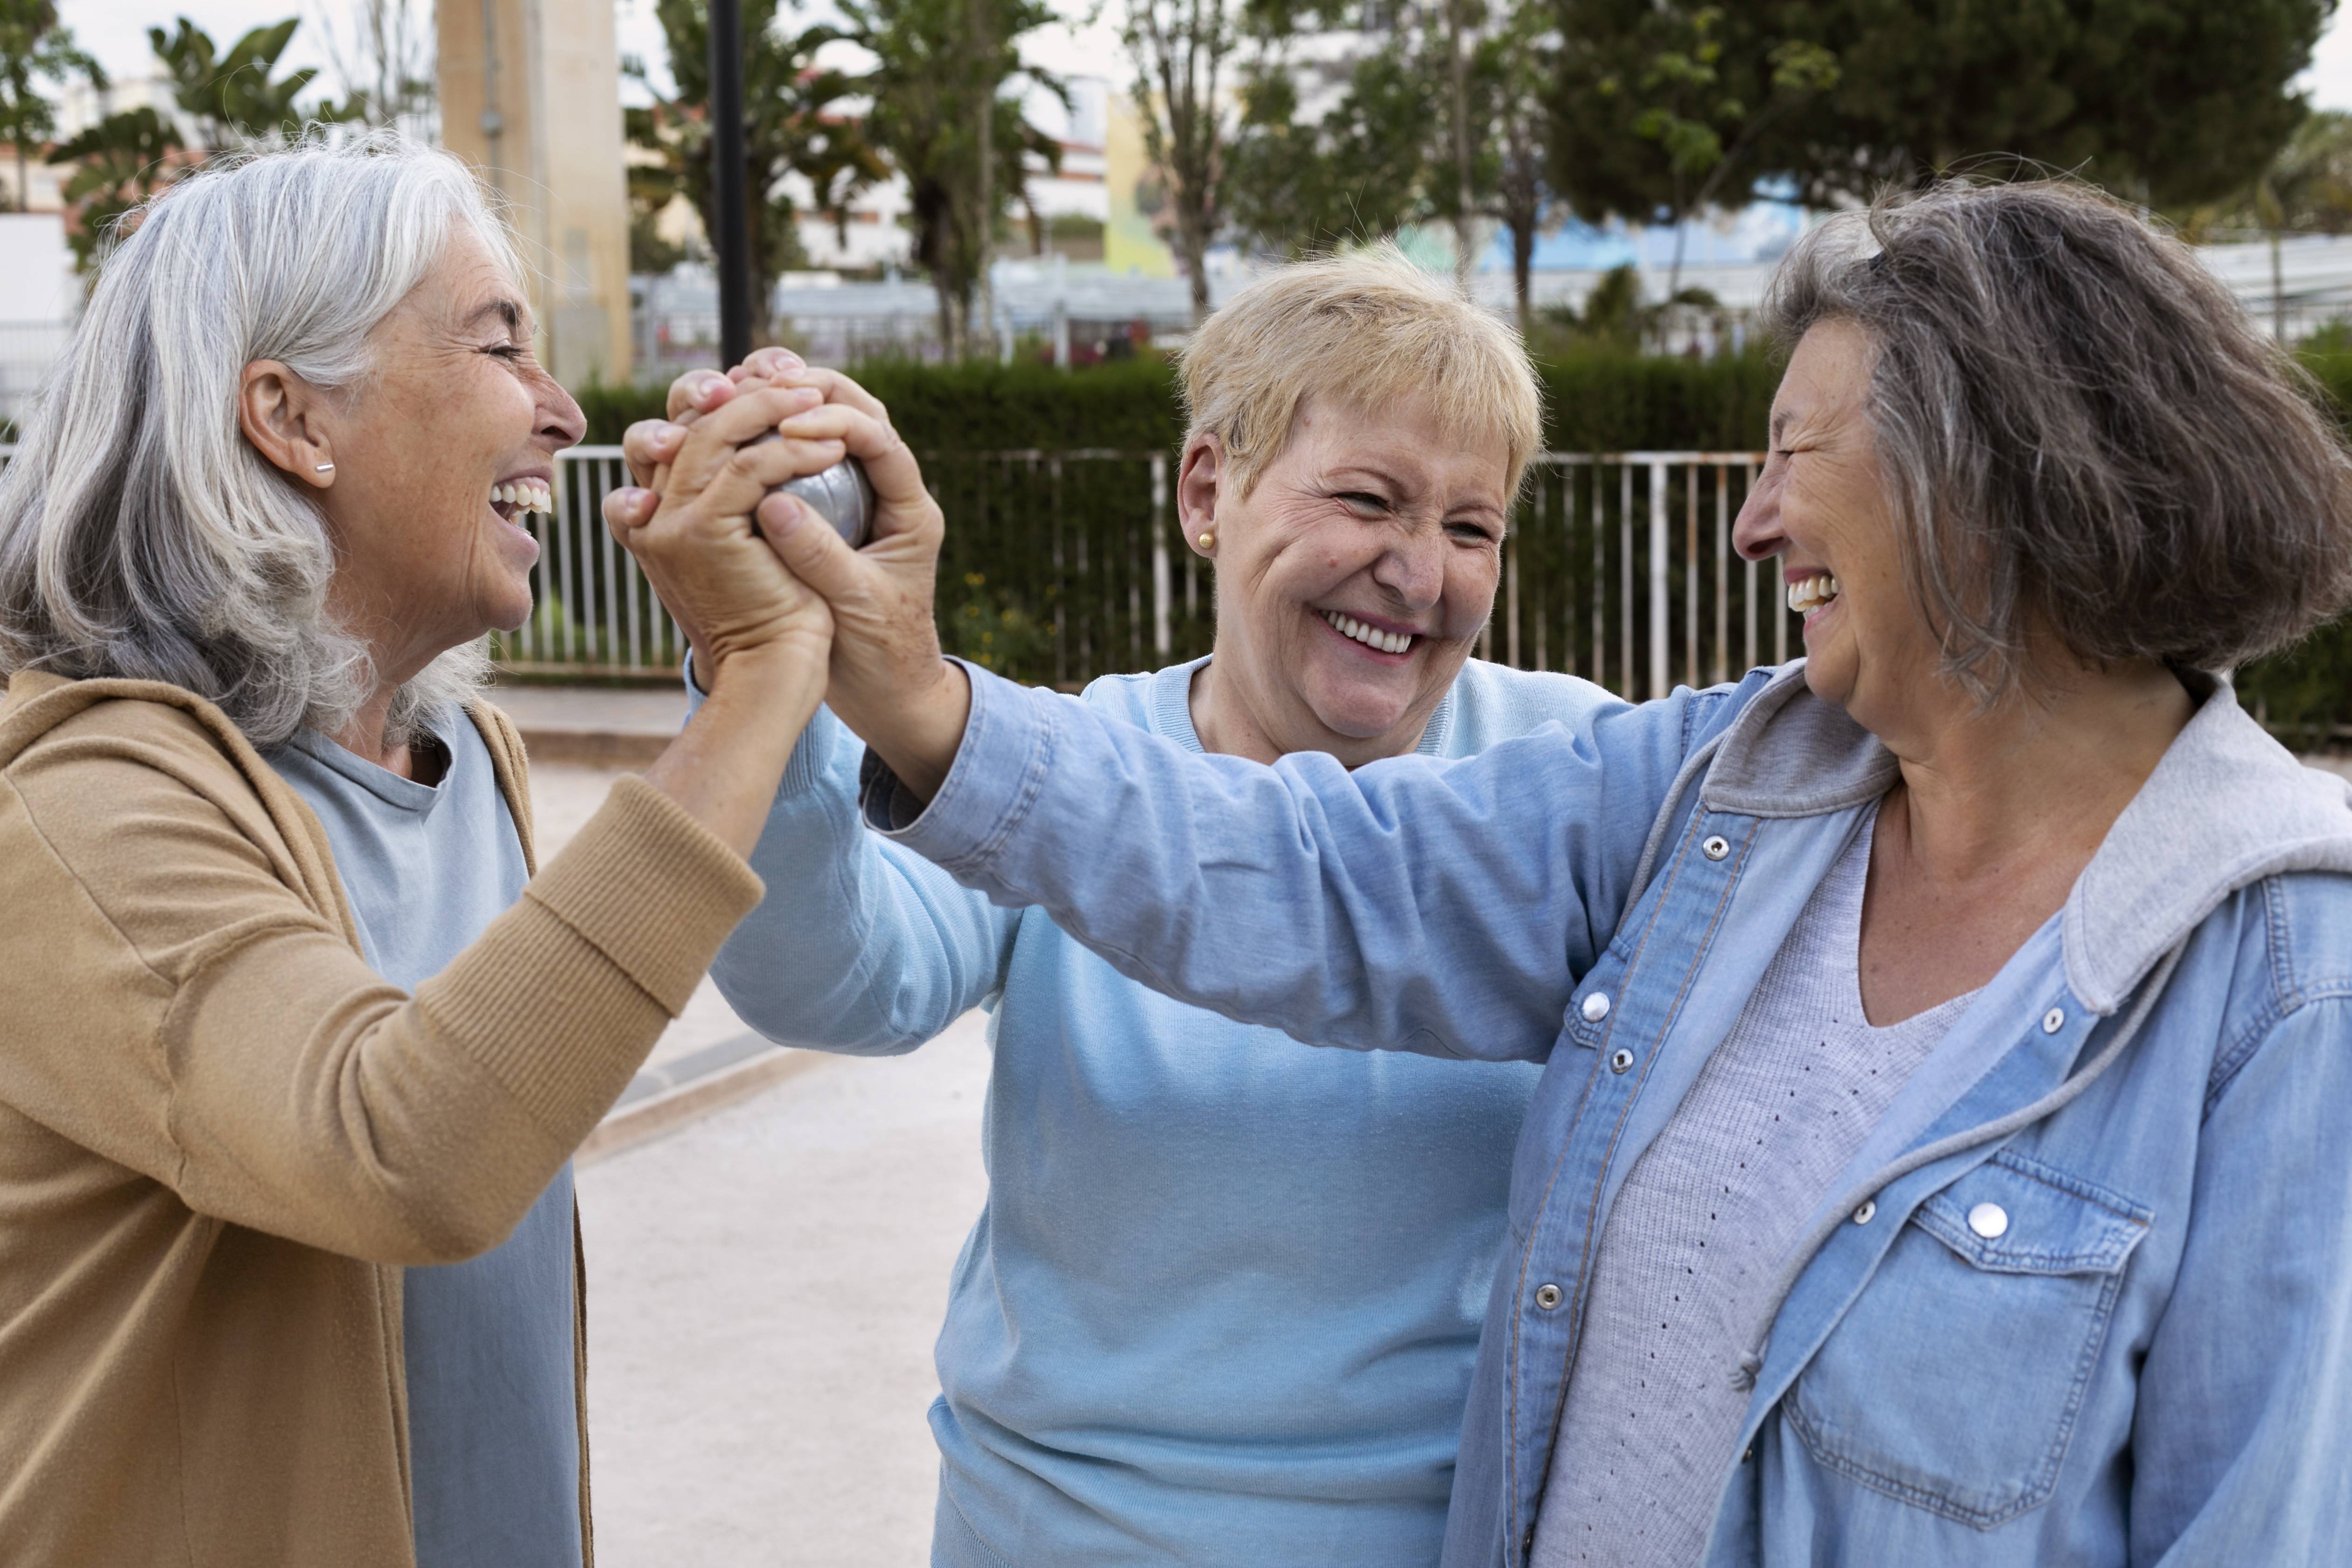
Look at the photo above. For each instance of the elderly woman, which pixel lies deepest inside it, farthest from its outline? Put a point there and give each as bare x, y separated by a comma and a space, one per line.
1208, 1315
1944, 1149
297, 1043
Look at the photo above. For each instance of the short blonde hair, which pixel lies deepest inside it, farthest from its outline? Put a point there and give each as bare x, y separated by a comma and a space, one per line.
1364, 329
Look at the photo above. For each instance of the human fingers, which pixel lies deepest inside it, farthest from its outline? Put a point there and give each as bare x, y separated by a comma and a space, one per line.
839, 388
628, 508
766, 364
649, 444
709, 449
698, 392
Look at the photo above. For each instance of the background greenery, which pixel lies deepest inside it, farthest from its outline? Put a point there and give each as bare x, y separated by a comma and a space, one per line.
1599, 398
1602, 399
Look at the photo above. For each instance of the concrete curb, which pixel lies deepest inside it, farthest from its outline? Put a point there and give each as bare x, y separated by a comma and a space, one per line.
595, 748
662, 1100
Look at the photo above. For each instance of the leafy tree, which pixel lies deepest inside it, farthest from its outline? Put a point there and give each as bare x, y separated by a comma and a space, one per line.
937, 65
2170, 101
120, 162
1180, 49
1357, 173
232, 97
790, 126
34, 46
1514, 71
1661, 109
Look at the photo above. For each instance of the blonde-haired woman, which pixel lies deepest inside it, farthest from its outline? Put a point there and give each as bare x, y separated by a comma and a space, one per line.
1224, 1302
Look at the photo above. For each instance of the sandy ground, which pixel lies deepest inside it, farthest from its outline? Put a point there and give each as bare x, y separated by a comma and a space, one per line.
765, 1287
764, 1290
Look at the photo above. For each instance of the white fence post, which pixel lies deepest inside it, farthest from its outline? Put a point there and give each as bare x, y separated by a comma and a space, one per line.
1161, 645
1658, 687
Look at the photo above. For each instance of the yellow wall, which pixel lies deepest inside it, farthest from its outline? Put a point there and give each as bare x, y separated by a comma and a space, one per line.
1129, 243
547, 72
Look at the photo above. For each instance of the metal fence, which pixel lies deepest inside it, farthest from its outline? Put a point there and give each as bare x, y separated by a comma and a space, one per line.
1062, 565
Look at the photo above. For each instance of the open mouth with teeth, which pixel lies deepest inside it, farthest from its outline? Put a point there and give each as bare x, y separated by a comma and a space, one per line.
1370, 637
1807, 595
512, 502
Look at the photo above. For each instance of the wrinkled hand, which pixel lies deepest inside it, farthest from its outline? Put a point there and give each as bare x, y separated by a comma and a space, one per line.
697, 541
649, 444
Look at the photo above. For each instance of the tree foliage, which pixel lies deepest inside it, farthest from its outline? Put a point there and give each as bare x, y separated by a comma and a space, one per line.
2169, 100
35, 47
793, 125
1355, 174
232, 95
931, 77
1181, 51
233, 99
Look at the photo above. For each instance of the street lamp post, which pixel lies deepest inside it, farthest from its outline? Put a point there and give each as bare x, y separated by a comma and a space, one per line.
728, 196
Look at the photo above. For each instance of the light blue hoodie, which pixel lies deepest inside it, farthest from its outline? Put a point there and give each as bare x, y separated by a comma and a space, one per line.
2145, 1359
1224, 1302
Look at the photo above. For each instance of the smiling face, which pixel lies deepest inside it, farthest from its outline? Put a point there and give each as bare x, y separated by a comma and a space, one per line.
1821, 505
437, 455
1350, 579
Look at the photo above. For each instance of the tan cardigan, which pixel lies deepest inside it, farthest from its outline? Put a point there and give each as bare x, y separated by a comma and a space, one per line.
222, 1136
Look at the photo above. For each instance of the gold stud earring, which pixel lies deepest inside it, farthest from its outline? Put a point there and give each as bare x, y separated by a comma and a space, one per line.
1208, 539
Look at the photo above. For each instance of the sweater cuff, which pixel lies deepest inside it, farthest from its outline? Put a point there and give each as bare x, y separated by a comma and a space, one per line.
649, 887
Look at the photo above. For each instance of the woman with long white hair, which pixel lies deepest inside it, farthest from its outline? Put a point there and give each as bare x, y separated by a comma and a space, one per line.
296, 1039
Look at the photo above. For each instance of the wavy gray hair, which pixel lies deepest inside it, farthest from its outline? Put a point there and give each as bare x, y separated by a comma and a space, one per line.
2080, 431
141, 534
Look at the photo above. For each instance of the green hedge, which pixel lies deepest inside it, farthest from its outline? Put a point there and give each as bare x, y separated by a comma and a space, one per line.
1601, 402
2306, 693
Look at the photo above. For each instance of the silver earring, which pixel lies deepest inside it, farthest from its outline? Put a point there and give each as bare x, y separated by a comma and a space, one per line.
326, 467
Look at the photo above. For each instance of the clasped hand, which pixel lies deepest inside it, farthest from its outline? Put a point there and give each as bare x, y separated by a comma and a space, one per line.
701, 480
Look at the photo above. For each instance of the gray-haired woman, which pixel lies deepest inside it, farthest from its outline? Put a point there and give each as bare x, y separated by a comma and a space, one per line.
1944, 1149
294, 1045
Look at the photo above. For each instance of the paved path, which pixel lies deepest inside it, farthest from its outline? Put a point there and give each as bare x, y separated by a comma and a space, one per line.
764, 1290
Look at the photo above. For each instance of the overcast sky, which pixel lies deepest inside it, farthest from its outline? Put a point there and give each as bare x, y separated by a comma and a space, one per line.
116, 31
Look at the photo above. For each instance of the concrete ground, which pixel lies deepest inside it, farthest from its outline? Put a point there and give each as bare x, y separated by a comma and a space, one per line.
764, 1288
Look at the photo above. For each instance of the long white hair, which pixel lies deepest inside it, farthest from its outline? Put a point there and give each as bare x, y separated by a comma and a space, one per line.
141, 534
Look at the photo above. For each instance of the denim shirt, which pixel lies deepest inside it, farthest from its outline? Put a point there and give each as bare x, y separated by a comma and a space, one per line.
2085, 1296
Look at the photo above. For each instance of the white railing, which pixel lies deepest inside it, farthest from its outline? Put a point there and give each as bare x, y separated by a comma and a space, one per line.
1062, 565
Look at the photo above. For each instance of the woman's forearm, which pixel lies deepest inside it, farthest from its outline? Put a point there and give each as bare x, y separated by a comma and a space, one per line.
916, 733
724, 766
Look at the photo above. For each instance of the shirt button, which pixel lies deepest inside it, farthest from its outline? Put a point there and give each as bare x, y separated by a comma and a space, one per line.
1596, 1006
2054, 1020
1867, 1212
1716, 847
1989, 1221
1619, 1059
1546, 1297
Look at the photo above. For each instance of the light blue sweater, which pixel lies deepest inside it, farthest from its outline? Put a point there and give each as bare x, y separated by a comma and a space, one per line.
1223, 1302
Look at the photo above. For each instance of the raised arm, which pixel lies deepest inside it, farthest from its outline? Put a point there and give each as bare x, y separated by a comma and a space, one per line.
860, 946
1413, 904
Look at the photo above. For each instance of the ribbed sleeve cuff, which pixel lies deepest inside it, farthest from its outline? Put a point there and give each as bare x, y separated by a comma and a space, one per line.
651, 889
569, 989
1008, 743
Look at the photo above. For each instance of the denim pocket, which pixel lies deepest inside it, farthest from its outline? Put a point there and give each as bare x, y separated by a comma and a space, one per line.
1953, 1381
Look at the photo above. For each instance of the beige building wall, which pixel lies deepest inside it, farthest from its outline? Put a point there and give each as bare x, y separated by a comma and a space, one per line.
531, 96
